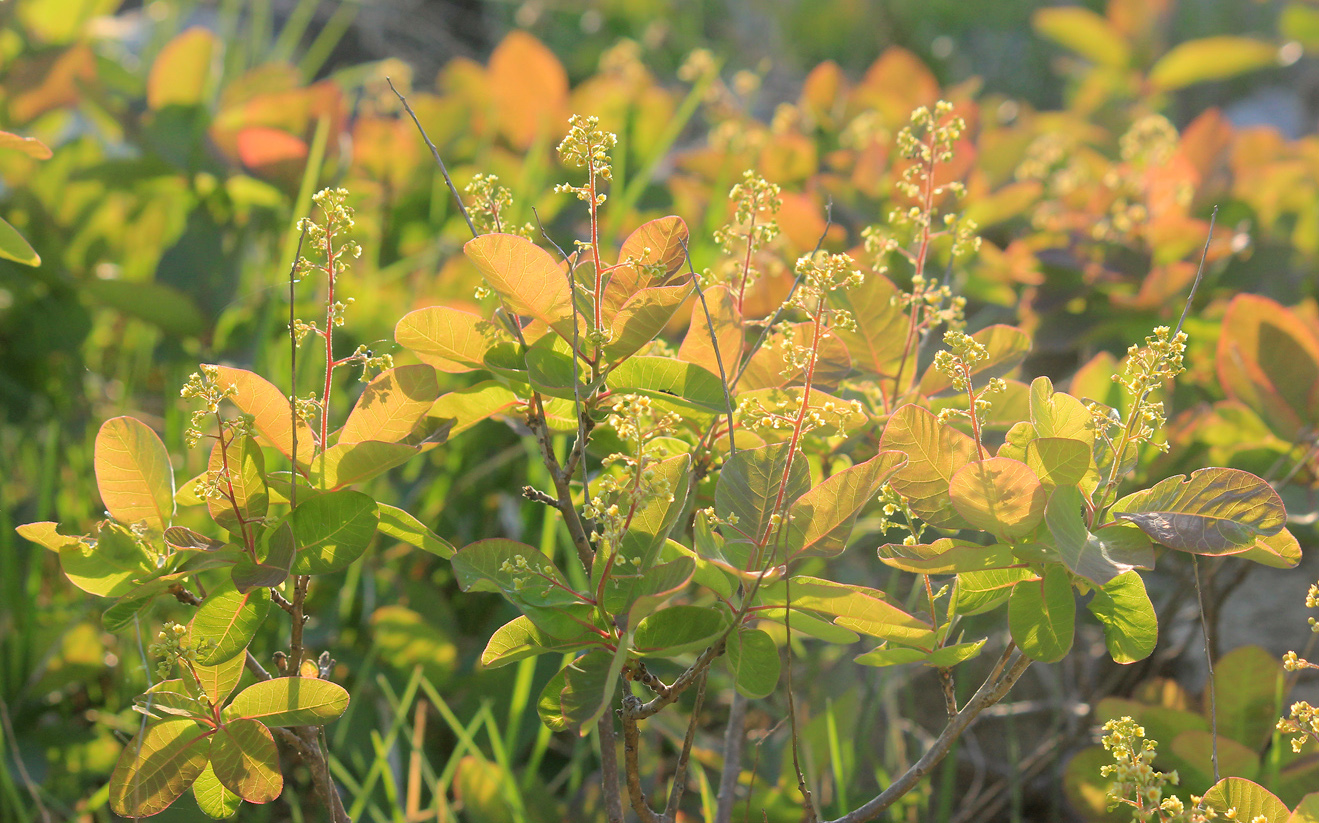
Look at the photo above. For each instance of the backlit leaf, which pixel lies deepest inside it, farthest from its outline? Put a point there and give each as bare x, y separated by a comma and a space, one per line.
134, 474
1056, 414
978, 592
30, 146
1059, 461
519, 639
551, 369
270, 409
891, 656
218, 681
403, 527
678, 629
448, 339
157, 766
227, 619
529, 88
589, 683
876, 344
753, 484
821, 520
332, 530
14, 247
242, 470
753, 659
643, 317
946, 556
392, 405
660, 242
109, 567
244, 758
1000, 496
212, 797
1269, 359
1250, 800
464, 408
1211, 58
865, 610
346, 463
698, 347
951, 655
46, 534
1279, 551
769, 368
673, 381
1216, 511
289, 701
1042, 615
1097, 556
934, 454
526, 277
178, 75
1131, 627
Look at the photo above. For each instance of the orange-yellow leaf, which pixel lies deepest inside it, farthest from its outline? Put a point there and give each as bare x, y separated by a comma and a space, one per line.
999, 495
270, 409
392, 405
178, 77
526, 277
529, 87
134, 474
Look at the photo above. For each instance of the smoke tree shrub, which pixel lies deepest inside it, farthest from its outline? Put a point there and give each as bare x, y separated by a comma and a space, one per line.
703, 484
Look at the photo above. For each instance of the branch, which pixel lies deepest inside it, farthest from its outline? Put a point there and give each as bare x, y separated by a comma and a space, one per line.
680, 772
631, 741
644, 710
438, 160
609, 769
734, 736
989, 693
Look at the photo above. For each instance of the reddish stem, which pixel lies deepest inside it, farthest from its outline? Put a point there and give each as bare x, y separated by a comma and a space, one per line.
921, 254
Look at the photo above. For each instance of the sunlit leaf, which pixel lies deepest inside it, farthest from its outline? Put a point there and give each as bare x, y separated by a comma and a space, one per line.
332, 530
1250, 800
698, 347
449, 339
346, 463
527, 578
179, 73
30, 146
865, 610
244, 758
821, 520
951, 655
978, 592
46, 534
529, 88
181, 538
886, 655
1211, 58
403, 527
526, 277
392, 405
756, 483
644, 315
677, 630
519, 639
271, 412
769, 367
1059, 461
876, 344
1042, 615
289, 701
753, 660
1215, 511
157, 766
219, 681
1269, 359
14, 247
1056, 414
673, 381
1131, 627
946, 556
212, 797
242, 470
110, 566
1000, 496
1084, 32
1191, 753
660, 242
1097, 556
934, 454
134, 474
227, 619
1279, 551
464, 408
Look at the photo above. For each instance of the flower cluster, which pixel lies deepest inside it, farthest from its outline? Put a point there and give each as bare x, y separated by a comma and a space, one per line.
1137, 783
338, 219
1303, 721
1147, 367
957, 362
629, 480
587, 146
490, 202
893, 504
172, 646
779, 409
756, 202
204, 385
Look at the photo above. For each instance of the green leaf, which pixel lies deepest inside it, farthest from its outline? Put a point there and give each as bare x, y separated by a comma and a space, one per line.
134, 474
1100, 557
753, 659
934, 454
550, 706
1211, 58
1216, 511
111, 566
14, 247
1189, 753
651, 590
180, 72
244, 758
280, 550
551, 371
1000, 496
392, 405
1278, 551
833, 416
886, 655
403, 527
1307, 811
527, 578
810, 625
464, 408
948, 656
520, 638
876, 343
946, 556
46, 534
1250, 800
821, 520
1061, 461
219, 681
163, 306
686, 386
1268, 358
448, 339
332, 530
171, 698
1055, 414
865, 610
1131, 627
677, 630
157, 766
270, 410
526, 277
228, 619
406, 641
1006, 346
982, 591
589, 683
1084, 32
650, 525
749, 489
1246, 683
289, 701
346, 463
212, 797
1042, 615
245, 479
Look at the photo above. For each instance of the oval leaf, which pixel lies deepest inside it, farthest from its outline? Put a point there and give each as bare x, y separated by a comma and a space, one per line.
1042, 615
1215, 511
934, 454
1000, 496
290, 701
526, 277
1250, 800
1131, 628
392, 405
212, 797
157, 766
226, 620
332, 530
448, 339
754, 661
244, 758
134, 474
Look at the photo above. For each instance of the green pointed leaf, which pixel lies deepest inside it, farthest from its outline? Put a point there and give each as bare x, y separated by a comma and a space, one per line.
346, 463
1278, 551
1042, 615
1000, 496
1099, 557
749, 488
519, 639
464, 408
677, 630
134, 474
753, 659
219, 681
244, 758
1215, 511
289, 701
952, 655
705, 573
270, 410
1211, 58
982, 591
14, 247
111, 566
946, 556
1006, 346
279, 550
1131, 627
934, 454
392, 405
1246, 682
403, 527
332, 530
1250, 800
589, 684
448, 339
686, 386
861, 609
1017, 440
1084, 32
242, 470
212, 797
526, 277
157, 766
1060, 461
227, 618
821, 520
886, 655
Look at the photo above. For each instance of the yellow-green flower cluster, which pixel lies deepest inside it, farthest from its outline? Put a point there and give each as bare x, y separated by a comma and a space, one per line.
1135, 780
338, 219
490, 202
1303, 721
1146, 367
629, 480
779, 410
172, 645
821, 273
587, 146
204, 385
957, 362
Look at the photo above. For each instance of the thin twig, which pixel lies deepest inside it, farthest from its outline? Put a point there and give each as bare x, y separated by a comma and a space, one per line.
680, 771
714, 343
438, 160
734, 736
1199, 272
1209, 662
631, 742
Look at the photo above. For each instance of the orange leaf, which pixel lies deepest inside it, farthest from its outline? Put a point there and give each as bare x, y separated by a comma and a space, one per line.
529, 87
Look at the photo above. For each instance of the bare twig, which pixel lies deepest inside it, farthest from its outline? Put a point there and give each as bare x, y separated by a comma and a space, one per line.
438, 160
631, 742
609, 770
680, 771
734, 736
1209, 662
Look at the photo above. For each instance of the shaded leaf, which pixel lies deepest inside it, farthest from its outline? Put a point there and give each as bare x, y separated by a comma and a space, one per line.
464, 408
753, 660
289, 701
982, 591
227, 619
14, 247
1246, 685
527, 578
754, 484
133, 474
157, 766
934, 454
280, 549
346, 463
886, 655
589, 683
1084, 32
1098, 557
182, 538
698, 347
244, 758
159, 304
1190, 754
1042, 615
1131, 627
332, 530
876, 344
677, 630
1211, 58
551, 370
1268, 359
1215, 511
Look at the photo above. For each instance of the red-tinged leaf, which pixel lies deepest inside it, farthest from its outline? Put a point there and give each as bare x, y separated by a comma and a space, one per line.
946, 556
1000, 496
270, 410
157, 766
1279, 551
464, 408
134, 474
526, 277
661, 242
451, 340
820, 521
30, 146
227, 620
699, 348
529, 87
1007, 346
935, 453
1216, 511
1269, 359
643, 317
392, 405
289, 701
262, 147
179, 74
244, 758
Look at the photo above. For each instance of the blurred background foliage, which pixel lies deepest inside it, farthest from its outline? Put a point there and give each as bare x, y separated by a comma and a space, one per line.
187, 138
